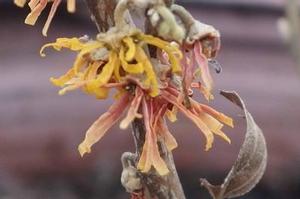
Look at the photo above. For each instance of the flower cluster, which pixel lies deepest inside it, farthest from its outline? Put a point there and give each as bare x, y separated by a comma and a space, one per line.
147, 88
151, 88
110, 58
37, 6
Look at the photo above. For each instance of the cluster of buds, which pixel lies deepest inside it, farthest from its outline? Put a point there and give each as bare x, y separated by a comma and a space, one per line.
148, 87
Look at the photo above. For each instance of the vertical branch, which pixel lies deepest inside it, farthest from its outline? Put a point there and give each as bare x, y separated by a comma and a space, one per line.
156, 186
102, 13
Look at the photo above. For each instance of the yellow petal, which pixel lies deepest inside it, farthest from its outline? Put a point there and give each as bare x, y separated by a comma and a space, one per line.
71, 6
219, 116
168, 138
20, 3
172, 114
131, 48
63, 79
71, 87
91, 75
73, 44
130, 68
150, 74
214, 125
171, 51
106, 72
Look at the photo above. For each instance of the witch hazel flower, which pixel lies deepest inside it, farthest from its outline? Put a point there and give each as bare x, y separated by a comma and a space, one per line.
110, 58
200, 47
37, 7
147, 88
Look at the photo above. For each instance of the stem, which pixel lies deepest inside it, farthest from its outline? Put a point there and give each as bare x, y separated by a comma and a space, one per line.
102, 13
156, 186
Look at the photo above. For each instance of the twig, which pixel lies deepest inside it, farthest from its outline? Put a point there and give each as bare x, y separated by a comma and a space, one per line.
159, 187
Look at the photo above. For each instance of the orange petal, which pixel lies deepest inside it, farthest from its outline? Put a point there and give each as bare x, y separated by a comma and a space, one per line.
164, 132
214, 125
203, 64
199, 123
36, 11
150, 155
33, 3
50, 16
71, 6
132, 112
102, 124
219, 116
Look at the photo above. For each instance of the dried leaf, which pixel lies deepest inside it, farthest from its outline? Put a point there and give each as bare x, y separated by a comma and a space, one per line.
250, 164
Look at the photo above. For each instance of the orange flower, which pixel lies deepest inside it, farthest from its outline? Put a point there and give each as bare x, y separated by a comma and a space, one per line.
148, 88
37, 7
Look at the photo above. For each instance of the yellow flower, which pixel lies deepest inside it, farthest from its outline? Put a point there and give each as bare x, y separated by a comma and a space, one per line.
37, 7
99, 62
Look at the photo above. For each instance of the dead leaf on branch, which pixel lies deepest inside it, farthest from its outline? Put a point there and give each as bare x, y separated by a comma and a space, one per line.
250, 164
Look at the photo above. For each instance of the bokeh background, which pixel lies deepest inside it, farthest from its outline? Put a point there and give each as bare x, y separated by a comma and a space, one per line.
40, 131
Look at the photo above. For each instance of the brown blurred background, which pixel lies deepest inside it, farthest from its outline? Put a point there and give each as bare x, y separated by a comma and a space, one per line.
40, 131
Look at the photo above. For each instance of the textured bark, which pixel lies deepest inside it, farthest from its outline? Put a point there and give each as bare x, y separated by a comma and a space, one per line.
166, 187
102, 13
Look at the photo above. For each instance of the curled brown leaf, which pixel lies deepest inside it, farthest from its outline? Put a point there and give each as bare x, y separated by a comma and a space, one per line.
250, 165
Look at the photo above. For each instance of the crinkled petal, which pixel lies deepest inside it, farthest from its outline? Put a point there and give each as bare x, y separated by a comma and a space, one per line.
50, 16
60, 81
74, 86
203, 64
130, 68
218, 115
102, 124
199, 123
73, 44
214, 125
35, 13
168, 138
107, 71
132, 112
131, 48
150, 155
174, 54
206, 93
172, 114
150, 74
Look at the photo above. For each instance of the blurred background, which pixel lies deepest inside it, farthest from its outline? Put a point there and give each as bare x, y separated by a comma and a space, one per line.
40, 131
